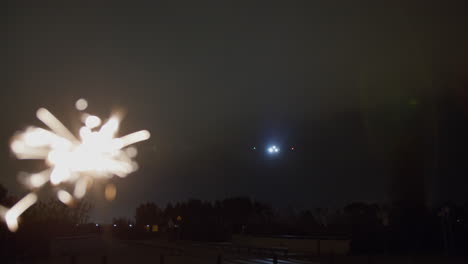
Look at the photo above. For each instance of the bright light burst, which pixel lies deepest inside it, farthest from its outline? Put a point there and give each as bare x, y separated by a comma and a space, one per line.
97, 154
273, 149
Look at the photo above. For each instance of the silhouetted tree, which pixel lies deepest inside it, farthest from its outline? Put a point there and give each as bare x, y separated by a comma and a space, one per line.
3, 194
169, 212
364, 226
56, 217
122, 222
307, 223
148, 214
44, 221
123, 228
236, 212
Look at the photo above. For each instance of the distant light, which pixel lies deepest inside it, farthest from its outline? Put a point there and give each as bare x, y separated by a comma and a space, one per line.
97, 225
292, 148
130, 225
254, 148
81, 104
147, 225
115, 225
273, 149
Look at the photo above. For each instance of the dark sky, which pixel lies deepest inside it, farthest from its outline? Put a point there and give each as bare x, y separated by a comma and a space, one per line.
351, 84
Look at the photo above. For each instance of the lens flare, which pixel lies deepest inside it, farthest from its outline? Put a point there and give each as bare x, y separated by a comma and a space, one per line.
110, 192
97, 154
81, 104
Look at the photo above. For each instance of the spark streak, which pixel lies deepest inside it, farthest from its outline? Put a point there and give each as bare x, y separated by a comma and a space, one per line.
11, 216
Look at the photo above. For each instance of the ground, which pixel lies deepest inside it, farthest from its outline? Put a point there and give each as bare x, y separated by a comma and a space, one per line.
103, 249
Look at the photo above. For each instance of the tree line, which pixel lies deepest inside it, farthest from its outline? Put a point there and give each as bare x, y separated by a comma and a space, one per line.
398, 228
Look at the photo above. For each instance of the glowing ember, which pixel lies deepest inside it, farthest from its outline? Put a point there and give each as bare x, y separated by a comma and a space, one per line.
98, 154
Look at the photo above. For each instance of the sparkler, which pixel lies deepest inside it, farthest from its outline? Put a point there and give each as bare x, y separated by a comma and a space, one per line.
97, 154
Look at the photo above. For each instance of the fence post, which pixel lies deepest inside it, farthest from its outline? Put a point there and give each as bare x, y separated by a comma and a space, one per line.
104, 259
220, 259
72, 259
161, 259
318, 247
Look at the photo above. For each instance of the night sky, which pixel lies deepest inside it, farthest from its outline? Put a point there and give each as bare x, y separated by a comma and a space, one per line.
372, 96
